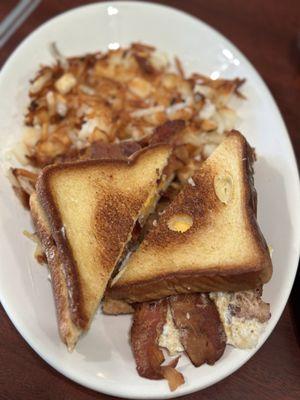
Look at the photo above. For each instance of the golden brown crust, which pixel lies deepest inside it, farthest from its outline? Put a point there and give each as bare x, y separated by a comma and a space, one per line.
45, 197
190, 282
248, 158
58, 234
69, 333
117, 162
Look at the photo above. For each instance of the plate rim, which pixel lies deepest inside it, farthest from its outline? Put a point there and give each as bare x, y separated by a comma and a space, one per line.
13, 316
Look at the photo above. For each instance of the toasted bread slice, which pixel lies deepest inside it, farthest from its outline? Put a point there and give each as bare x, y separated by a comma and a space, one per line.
207, 239
90, 209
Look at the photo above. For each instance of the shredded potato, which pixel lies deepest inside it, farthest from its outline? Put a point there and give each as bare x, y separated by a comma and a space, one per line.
119, 95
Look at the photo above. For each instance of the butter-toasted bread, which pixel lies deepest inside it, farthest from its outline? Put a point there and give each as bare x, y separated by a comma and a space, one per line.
207, 239
84, 213
69, 332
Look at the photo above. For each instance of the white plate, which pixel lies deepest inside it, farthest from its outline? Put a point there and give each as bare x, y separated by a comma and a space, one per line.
103, 359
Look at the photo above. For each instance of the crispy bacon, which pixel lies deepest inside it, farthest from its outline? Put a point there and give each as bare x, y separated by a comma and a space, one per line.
174, 378
148, 321
201, 331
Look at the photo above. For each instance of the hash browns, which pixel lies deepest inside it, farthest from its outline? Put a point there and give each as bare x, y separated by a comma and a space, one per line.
120, 95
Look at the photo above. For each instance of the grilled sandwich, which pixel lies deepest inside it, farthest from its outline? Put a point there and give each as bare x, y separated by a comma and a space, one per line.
84, 214
207, 239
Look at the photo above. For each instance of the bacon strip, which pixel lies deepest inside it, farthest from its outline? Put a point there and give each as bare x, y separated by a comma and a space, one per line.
174, 378
201, 331
148, 321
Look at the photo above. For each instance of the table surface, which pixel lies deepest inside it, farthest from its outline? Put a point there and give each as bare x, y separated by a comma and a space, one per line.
268, 33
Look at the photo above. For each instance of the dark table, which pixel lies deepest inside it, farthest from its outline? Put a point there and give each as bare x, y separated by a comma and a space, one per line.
268, 33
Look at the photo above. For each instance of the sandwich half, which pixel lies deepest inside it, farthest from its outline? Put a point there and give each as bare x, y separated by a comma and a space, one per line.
207, 239
85, 214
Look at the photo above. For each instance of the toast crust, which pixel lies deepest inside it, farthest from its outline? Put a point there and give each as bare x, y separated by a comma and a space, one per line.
47, 201
68, 331
200, 202
212, 280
